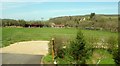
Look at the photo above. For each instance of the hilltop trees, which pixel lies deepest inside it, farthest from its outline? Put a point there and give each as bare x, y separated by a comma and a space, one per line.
12, 22
97, 21
93, 20
92, 15
22, 22
9, 22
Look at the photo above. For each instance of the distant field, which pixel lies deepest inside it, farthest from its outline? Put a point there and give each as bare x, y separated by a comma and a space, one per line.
12, 35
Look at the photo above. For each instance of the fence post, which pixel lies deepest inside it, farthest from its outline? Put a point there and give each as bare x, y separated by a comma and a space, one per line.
53, 50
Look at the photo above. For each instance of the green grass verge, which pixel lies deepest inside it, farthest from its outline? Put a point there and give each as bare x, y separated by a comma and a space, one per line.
100, 54
47, 59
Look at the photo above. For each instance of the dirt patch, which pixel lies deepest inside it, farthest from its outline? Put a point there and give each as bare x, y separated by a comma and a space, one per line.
28, 47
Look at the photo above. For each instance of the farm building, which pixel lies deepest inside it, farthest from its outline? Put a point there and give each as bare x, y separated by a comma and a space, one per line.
57, 25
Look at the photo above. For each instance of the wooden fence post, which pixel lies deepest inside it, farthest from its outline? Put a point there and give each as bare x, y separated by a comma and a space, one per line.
53, 49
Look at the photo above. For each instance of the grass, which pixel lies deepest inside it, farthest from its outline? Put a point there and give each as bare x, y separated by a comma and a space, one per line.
107, 61
100, 54
12, 35
47, 59
66, 60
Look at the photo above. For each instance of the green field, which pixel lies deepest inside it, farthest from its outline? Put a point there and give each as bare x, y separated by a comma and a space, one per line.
12, 35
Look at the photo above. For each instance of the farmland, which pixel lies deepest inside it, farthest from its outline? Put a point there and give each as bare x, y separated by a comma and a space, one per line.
12, 35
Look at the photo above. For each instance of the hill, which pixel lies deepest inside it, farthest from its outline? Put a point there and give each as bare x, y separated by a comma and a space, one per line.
97, 21
90, 22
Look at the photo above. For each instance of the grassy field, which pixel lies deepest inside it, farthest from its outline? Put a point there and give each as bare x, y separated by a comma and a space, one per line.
12, 35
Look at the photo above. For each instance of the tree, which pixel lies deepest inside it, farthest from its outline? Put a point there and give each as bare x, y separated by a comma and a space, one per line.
117, 56
9, 22
92, 15
77, 48
22, 22
77, 23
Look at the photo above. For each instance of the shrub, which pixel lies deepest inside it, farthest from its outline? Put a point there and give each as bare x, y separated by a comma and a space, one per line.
112, 44
59, 43
92, 41
112, 48
77, 49
116, 56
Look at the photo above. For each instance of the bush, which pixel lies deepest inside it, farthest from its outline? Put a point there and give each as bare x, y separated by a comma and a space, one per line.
112, 48
59, 43
112, 44
92, 41
116, 56
77, 49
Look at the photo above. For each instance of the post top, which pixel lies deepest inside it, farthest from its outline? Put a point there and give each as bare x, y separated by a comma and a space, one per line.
52, 38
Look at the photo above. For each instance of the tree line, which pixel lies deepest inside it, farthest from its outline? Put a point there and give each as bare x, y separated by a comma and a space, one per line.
22, 23
12, 22
91, 22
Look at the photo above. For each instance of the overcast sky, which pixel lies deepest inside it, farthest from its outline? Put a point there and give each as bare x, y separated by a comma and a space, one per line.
37, 10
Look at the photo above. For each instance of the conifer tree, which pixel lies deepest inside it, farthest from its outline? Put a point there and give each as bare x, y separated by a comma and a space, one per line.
77, 48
